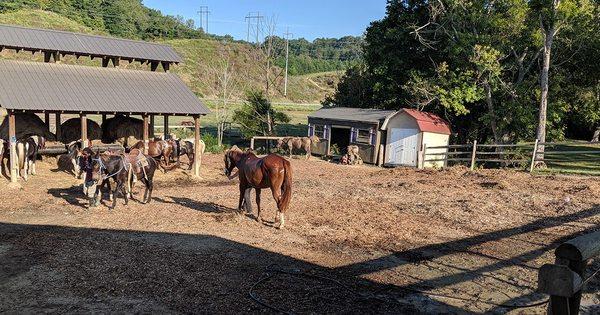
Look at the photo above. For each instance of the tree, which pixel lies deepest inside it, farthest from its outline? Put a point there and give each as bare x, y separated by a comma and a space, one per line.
479, 64
224, 70
257, 116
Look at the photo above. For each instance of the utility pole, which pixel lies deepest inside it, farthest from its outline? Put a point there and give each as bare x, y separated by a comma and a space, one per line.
287, 35
253, 16
204, 12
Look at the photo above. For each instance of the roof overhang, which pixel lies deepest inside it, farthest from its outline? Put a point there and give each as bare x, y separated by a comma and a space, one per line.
38, 87
68, 43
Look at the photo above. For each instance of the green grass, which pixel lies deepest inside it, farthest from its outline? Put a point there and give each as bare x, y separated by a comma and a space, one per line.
580, 163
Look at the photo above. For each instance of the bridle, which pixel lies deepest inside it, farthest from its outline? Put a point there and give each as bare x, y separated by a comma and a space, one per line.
102, 171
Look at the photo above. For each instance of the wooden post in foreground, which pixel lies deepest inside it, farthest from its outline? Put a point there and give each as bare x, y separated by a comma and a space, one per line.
58, 122
166, 126
12, 136
534, 155
84, 133
146, 141
473, 155
197, 152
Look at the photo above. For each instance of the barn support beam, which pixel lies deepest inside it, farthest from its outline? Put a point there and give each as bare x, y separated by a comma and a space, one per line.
84, 132
197, 153
145, 135
152, 126
153, 65
47, 119
103, 118
166, 126
58, 122
105, 62
12, 135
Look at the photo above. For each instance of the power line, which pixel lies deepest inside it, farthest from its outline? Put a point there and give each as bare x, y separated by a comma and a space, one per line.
204, 13
254, 16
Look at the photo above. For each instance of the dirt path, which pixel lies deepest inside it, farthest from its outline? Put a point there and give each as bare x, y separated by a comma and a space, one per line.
475, 238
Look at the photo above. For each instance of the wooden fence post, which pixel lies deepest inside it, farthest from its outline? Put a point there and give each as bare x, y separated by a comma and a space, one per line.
473, 155
252, 143
424, 159
166, 126
534, 155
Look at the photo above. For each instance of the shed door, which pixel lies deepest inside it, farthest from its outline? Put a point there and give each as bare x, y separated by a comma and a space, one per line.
403, 146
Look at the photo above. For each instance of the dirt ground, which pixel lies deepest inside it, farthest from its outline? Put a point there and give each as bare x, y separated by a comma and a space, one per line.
359, 239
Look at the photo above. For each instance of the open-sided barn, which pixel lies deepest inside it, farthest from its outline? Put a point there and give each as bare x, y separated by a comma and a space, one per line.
384, 137
55, 88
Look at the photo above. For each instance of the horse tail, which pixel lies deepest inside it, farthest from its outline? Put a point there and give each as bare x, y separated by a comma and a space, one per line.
286, 196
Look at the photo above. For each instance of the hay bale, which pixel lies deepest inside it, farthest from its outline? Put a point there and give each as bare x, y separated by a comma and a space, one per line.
122, 126
71, 130
27, 124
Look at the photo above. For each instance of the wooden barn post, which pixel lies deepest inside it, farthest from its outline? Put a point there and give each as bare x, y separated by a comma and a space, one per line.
58, 122
84, 133
197, 152
146, 141
166, 126
12, 136
103, 118
152, 127
47, 119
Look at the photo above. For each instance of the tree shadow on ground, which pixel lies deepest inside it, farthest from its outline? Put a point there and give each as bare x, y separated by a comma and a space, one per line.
135, 271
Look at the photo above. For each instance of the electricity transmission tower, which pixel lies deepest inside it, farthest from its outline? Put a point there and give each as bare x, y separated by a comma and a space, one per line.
250, 17
204, 13
287, 35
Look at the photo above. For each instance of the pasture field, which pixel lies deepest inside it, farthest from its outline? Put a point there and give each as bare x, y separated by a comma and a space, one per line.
394, 241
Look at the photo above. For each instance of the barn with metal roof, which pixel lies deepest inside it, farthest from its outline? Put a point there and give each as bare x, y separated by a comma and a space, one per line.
55, 88
384, 137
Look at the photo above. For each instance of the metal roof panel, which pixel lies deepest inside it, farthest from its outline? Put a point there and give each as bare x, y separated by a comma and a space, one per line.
76, 43
57, 87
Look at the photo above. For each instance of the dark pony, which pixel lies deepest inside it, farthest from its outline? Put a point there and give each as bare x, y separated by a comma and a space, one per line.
122, 168
272, 171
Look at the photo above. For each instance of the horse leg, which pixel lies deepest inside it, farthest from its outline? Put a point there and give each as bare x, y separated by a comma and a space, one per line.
242, 195
276, 190
114, 193
124, 192
150, 188
190, 161
33, 170
258, 217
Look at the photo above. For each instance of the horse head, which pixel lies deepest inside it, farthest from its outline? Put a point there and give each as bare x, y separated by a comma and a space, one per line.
231, 158
314, 139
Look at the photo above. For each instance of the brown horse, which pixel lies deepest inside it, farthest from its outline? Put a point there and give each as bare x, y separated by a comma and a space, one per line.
304, 143
159, 150
272, 172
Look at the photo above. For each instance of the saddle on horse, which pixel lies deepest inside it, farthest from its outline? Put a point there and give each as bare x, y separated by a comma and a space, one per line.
137, 160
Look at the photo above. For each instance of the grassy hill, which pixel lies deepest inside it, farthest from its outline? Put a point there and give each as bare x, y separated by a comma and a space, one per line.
201, 59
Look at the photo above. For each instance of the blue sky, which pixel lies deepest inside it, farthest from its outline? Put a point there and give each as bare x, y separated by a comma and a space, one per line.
305, 18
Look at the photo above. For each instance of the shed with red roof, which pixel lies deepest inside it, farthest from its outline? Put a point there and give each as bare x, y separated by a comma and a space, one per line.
407, 132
